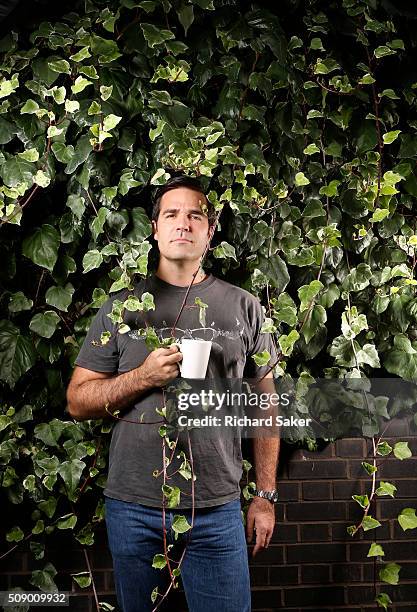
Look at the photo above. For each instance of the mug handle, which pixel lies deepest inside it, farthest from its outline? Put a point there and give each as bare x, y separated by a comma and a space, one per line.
178, 344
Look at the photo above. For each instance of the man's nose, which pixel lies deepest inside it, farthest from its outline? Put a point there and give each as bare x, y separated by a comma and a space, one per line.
183, 223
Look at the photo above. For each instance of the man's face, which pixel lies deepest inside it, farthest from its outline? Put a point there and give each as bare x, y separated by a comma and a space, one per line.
182, 228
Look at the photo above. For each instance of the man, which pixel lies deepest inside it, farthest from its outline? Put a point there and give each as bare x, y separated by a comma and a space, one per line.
123, 375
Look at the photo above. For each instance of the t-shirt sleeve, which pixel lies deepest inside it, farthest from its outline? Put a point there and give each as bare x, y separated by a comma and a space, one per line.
93, 354
259, 342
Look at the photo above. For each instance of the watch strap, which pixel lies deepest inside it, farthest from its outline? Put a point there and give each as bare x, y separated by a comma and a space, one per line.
271, 496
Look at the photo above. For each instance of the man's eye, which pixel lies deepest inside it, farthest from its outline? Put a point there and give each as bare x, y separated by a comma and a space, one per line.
196, 217
169, 215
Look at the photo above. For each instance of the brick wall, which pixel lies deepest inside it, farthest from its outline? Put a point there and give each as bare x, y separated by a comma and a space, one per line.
312, 564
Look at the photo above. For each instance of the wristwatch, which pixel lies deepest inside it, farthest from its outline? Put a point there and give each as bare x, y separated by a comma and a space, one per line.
272, 496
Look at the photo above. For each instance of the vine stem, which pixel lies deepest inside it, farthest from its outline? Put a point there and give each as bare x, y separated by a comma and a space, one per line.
192, 520
27, 537
92, 579
378, 132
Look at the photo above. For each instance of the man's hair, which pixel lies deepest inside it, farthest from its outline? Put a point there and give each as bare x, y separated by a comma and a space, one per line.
183, 181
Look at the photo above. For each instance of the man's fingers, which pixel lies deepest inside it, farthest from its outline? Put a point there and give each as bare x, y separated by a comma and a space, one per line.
171, 350
261, 541
249, 528
175, 358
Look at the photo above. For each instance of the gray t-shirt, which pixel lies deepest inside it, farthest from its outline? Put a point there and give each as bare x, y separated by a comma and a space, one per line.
233, 323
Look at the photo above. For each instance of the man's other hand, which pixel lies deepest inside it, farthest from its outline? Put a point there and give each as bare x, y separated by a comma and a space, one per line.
261, 519
160, 367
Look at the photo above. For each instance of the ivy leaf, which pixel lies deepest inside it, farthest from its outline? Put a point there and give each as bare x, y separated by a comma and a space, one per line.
383, 449
307, 293
44, 579
202, 311
82, 54
67, 522
70, 472
311, 149
159, 561
30, 155
301, 179
80, 84
383, 600
91, 260
77, 204
142, 227
154, 36
63, 153
44, 323
83, 579
106, 91
375, 550
186, 17
383, 51
180, 524
71, 106
60, 297
110, 122
314, 321
172, 496
389, 137
160, 177
42, 246
371, 469
407, 519
379, 214
402, 451
224, 250
262, 358
41, 179
17, 353
15, 535
362, 500
16, 171
390, 573
370, 523
18, 302
286, 342
60, 66
386, 488
29, 107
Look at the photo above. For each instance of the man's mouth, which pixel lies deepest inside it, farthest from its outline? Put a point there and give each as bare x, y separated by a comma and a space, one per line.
181, 240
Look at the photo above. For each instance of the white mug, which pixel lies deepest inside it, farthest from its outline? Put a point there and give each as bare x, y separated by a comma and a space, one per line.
195, 357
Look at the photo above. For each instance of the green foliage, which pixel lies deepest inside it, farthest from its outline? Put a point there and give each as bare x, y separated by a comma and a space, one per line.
308, 155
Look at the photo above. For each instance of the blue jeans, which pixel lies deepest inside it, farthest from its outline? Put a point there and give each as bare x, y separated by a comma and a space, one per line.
214, 572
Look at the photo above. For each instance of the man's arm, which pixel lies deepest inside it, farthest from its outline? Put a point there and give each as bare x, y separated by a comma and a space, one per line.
89, 392
261, 513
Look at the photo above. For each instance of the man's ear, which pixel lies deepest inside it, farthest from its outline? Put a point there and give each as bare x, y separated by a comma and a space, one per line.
154, 230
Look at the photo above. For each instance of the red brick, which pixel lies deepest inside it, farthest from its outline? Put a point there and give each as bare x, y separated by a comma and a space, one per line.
345, 489
351, 447
311, 596
317, 490
273, 555
283, 575
318, 469
313, 574
346, 572
315, 533
316, 511
285, 533
266, 598
316, 553
288, 491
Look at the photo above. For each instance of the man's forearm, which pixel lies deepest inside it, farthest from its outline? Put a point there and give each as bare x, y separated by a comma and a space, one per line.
266, 451
95, 399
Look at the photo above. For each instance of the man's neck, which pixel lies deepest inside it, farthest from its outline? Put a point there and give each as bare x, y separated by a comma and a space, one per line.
180, 277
